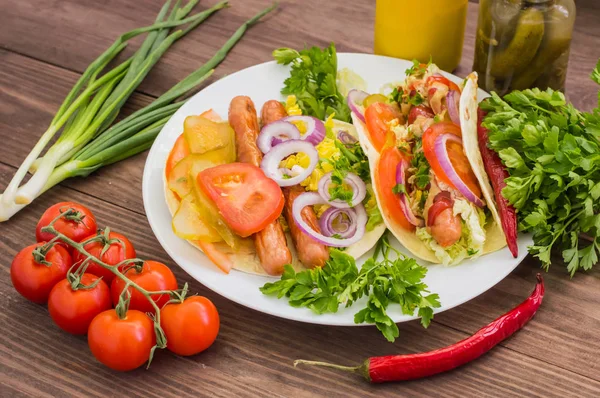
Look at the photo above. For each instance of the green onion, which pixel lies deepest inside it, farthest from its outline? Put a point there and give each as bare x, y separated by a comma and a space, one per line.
87, 140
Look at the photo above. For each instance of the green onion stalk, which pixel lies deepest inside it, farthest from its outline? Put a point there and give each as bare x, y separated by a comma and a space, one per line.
87, 140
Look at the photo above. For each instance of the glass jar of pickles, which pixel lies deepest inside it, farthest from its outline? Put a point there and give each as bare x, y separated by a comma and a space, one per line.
523, 43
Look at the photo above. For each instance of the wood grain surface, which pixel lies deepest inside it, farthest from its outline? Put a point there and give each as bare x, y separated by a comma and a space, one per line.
45, 45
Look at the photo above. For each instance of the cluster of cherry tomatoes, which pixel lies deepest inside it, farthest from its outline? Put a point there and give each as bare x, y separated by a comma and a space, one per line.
82, 303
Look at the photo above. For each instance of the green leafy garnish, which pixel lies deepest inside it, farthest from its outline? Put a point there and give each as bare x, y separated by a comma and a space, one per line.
339, 282
398, 189
552, 154
420, 166
313, 81
417, 68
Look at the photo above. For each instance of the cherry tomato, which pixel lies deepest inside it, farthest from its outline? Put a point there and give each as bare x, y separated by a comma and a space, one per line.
455, 153
181, 148
73, 310
378, 117
190, 327
441, 79
386, 181
247, 200
116, 253
153, 276
121, 344
71, 228
420, 110
34, 280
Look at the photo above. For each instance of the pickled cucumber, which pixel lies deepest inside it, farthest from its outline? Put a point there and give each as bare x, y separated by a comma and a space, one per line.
497, 26
556, 42
523, 46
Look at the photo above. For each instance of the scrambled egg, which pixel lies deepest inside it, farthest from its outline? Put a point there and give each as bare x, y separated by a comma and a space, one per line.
291, 106
326, 149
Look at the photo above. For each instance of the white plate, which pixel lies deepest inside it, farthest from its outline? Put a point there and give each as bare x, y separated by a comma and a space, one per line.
263, 82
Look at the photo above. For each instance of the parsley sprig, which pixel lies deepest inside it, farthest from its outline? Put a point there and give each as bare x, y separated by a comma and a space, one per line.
339, 282
552, 153
313, 81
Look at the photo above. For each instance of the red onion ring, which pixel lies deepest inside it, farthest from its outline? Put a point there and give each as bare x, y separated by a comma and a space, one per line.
441, 153
346, 138
355, 99
275, 133
329, 216
313, 198
315, 128
404, 205
452, 104
271, 161
359, 190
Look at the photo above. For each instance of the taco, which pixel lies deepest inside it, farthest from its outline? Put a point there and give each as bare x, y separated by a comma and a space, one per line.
322, 194
426, 169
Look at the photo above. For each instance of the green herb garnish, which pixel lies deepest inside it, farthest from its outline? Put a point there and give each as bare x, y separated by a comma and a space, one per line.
340, 282
552, 154
313, 81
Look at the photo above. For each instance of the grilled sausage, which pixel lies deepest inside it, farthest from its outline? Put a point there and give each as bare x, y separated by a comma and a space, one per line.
271, 243
271, 112
310, 252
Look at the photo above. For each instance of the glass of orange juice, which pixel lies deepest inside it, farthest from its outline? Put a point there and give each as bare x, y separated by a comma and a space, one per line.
420, 29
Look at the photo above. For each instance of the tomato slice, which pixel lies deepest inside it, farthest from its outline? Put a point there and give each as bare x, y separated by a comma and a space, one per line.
181, 149
247, 199
218, 258
441, 79
455, 153
386, 181
378, 117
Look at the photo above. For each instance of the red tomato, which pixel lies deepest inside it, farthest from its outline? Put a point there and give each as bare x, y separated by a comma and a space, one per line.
116, 253
190, 327
121, 344
420, 110
181, 148
73, 310
441, 79
377, 117
455, 153
386, 181
247, 200
153, 276
34, 280
71, 228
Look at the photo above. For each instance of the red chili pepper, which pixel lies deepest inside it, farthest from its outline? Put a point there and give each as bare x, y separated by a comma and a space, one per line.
416, 366
497, 174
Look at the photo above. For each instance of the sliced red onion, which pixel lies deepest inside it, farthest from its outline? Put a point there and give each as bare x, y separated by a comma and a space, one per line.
275, 133
333, 222
452, 104
404, 205
313, 198
271, 161
315, 128
441, 153
359, 190
346, 138
355, 100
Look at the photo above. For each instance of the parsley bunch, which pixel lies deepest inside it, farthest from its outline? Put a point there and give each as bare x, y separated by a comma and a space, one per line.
313, 81
339, 282
552, 153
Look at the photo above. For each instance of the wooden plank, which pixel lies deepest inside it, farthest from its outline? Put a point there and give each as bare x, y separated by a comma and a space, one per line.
88, 27
254, 352
32, 102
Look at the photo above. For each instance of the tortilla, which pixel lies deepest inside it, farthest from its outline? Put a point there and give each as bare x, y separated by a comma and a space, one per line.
245, 258
495, 238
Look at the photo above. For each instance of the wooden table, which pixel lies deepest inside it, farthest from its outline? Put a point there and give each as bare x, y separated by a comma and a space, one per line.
46, 44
